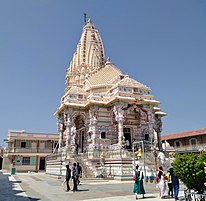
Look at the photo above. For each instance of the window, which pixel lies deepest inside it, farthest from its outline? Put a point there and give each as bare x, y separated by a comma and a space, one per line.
177, 143
26, 161
103, 135
146, 137
23, 144
193, 141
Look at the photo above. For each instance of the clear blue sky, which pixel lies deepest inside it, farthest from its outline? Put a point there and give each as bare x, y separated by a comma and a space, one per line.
160, 43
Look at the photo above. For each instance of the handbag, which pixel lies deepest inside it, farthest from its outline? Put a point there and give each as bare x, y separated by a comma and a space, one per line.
135, 177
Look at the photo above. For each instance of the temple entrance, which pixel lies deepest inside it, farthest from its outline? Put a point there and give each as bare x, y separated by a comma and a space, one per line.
80, 137
81, 141
128, 138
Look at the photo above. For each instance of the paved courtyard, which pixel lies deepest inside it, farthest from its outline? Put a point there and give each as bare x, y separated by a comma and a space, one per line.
39, 186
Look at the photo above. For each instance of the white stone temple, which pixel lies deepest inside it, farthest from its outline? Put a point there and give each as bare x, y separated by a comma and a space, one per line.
103, 111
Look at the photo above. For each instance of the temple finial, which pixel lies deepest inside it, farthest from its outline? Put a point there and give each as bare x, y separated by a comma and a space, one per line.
108, 61
85, 18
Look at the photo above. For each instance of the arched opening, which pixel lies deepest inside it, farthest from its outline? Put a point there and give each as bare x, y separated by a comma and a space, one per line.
80, 139
177, 143
193, 142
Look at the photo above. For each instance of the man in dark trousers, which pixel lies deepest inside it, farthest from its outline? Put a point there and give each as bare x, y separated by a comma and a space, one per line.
74, 176
79, 173
68, 176
175, 183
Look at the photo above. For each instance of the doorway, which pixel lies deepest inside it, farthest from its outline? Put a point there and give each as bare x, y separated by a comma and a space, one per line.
80, 132
128, 138
81, 138
42, 163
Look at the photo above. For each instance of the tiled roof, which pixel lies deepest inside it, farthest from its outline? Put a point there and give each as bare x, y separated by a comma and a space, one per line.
129, 82
105, 75
77, 90
184, 134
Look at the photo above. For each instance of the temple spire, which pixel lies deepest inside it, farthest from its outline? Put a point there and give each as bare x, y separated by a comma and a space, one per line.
88, 58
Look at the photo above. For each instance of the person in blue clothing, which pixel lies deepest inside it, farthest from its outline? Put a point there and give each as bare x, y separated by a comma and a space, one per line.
138, 184
175, 183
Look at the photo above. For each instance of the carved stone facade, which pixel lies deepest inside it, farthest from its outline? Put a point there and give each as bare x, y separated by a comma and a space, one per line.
102, 108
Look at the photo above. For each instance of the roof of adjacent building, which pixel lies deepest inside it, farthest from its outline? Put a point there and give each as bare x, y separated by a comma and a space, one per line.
191, 133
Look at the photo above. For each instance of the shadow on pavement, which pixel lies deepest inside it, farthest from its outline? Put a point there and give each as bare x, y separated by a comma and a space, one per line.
10, 190
83, 190
18, 182
147, 197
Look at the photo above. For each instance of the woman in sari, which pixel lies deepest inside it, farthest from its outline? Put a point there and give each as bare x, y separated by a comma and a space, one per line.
138, 184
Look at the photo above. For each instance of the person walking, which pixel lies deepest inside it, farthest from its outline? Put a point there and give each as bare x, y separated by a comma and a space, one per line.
161, 184
169, 183
68, 176
175, 184
138, 184
79, 168
74, 177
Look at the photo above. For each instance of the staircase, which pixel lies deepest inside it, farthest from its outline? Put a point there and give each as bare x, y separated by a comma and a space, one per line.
86, 170
115, 166
56, 164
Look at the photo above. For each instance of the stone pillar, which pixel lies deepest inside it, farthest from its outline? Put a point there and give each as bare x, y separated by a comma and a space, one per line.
60, 131
93, 123
120, 119
120, 132
73, 135
151, 124
68, 120
68, 134
158, 129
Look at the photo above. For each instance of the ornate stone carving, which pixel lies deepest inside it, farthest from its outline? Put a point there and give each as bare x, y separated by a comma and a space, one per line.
60, 125
119, 111
68, 123
158, 129
93, 123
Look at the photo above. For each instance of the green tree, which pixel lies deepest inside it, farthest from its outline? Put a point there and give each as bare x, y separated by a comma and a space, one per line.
190, 170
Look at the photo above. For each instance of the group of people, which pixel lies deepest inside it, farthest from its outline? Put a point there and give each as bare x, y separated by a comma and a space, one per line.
75, 173
170, 180
163, 180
